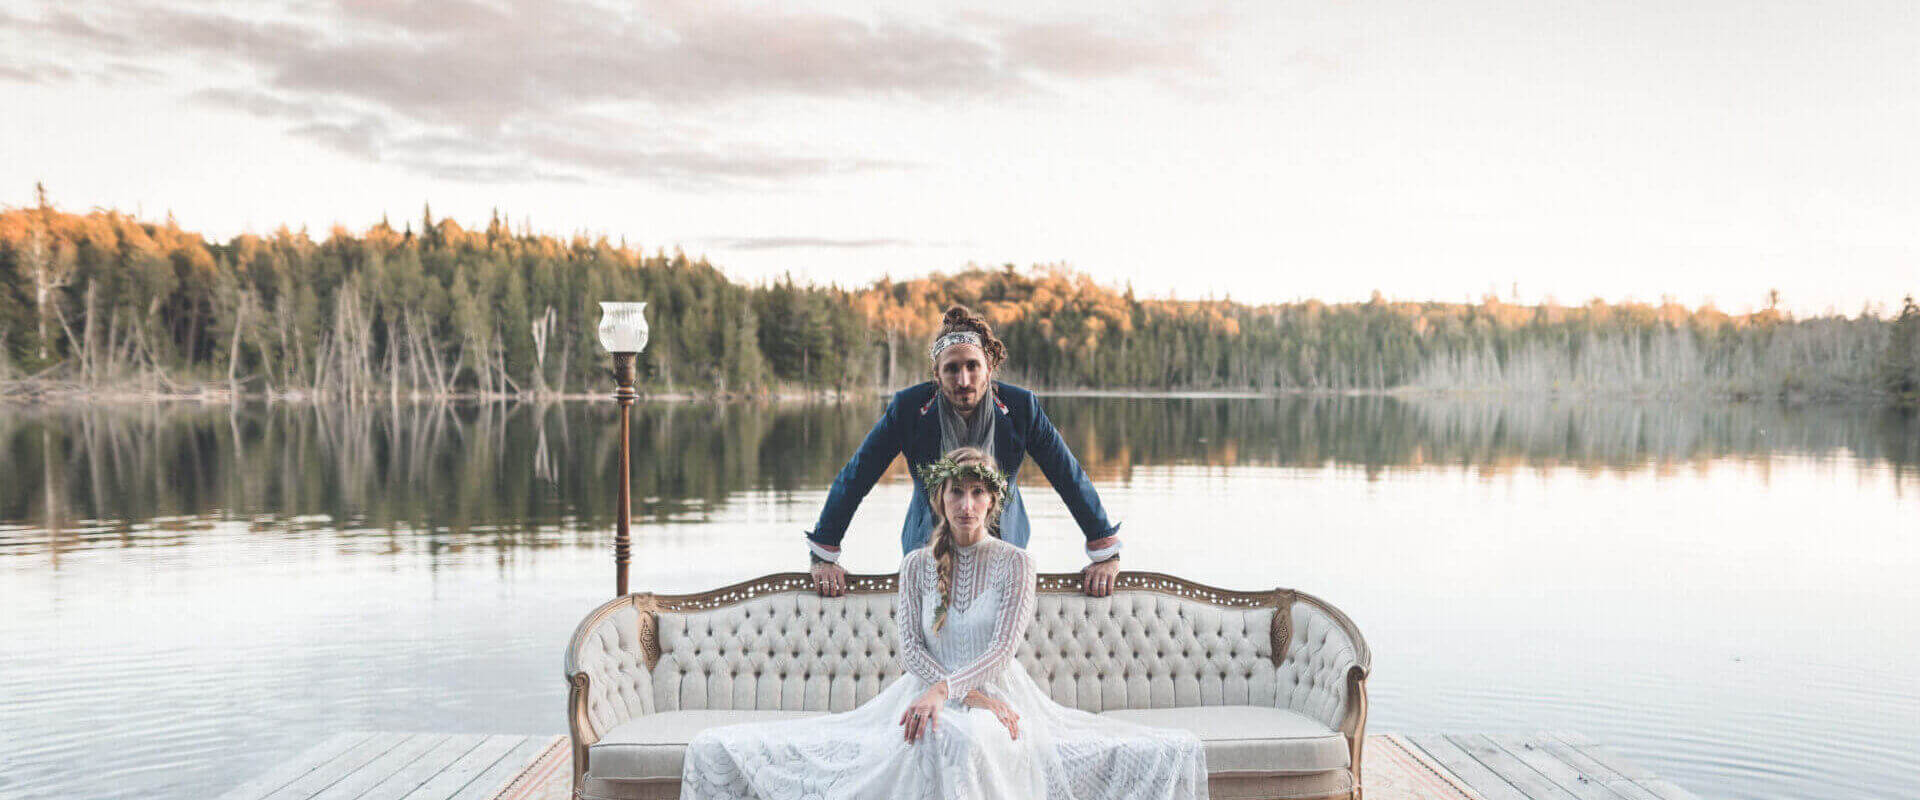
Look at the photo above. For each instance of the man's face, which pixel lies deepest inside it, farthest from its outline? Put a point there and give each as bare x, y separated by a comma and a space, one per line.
963, 374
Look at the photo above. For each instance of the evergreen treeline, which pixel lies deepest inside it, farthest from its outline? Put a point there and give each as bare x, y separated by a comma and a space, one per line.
103, 301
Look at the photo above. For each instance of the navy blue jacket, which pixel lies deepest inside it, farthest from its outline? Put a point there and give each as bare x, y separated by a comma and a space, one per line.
911, 426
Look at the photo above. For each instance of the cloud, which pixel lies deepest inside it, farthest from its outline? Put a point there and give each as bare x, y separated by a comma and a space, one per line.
121, 72
582, 88
62, 23
790, 242
252, 101
36, 73
1096, 49
361, 138
688, 165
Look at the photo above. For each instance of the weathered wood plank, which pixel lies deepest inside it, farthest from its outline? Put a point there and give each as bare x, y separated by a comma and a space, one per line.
1641, 776
431, 763
1667, 790
360, 765
1561, 773
1620, 784
462, 772
1467, 768
377, 771
486, 783
331, 772
1528, 780
299, 765
1575, 738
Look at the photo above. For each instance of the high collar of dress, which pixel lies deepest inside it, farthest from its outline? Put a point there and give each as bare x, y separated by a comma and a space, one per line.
970, 549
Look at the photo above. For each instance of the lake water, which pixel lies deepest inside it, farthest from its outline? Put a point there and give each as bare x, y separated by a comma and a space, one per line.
1729, 595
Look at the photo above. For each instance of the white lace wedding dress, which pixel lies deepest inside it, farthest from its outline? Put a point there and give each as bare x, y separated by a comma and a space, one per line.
1062, 753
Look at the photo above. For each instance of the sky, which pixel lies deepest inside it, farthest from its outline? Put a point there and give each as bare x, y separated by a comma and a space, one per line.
1704, 151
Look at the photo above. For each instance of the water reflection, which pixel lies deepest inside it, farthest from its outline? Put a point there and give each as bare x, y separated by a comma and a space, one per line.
205, 591
527, 474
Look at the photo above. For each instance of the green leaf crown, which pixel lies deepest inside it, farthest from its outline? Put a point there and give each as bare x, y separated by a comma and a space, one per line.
946, 469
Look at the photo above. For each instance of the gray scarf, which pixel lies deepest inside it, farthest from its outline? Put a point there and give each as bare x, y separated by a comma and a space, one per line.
957, 431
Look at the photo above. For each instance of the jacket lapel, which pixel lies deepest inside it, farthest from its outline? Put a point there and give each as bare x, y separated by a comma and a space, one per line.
1009, 443
924, 449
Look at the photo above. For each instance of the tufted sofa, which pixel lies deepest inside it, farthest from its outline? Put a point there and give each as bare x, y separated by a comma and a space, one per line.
1273, 682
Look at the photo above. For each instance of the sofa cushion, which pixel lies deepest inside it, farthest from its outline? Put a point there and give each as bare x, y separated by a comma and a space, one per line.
1238, 739
653, 746
1250, 739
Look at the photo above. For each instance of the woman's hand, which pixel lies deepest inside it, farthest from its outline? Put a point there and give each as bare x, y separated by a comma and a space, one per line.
920, 717
1007, 715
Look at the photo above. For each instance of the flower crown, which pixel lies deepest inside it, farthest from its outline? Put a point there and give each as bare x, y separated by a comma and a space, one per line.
947, 469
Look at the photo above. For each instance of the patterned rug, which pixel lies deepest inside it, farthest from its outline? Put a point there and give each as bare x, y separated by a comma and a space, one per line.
1394, 769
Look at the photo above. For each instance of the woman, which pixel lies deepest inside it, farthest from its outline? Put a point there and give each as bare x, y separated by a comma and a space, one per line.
963, 720
963, 406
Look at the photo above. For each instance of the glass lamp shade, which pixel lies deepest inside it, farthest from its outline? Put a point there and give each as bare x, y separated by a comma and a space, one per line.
623, 327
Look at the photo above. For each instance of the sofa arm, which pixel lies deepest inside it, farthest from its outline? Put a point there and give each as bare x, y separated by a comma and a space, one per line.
1324, 669
608, 678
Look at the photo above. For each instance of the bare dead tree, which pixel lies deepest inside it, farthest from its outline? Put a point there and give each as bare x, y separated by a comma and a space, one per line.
49, 265
542, 332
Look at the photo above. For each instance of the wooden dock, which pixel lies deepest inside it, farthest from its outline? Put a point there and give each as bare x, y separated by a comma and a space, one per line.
367, 765
1557, 765
440, 766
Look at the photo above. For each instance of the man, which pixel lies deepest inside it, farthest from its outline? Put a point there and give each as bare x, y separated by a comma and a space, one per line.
964, 407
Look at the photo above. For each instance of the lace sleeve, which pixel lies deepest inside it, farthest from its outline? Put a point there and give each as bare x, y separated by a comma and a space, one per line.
914, 655
1016, 612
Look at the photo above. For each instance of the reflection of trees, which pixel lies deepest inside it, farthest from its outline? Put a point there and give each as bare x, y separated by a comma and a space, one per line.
423, 466
518, 472
1111, 436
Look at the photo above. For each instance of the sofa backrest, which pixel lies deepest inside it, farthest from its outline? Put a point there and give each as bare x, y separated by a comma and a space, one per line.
1139, 648
791, 650
1144, 649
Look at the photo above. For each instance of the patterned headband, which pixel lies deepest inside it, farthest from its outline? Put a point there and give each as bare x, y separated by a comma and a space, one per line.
951, 339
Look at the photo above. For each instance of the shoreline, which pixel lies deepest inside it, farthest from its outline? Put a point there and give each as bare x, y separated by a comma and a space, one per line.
213, 395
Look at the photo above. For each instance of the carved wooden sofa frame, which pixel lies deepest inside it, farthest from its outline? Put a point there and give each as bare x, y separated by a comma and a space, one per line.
1351, 722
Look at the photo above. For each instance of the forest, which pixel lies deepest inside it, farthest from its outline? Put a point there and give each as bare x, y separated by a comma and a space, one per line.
105, 304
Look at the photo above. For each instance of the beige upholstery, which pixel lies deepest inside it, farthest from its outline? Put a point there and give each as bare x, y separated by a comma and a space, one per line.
653, 748
793, 651
619, 686
1317, 786
1170, 654
1149, 650
1313, 676
1251, 740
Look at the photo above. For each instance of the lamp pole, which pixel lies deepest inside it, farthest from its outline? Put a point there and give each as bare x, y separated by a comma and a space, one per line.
622, 541
623, 332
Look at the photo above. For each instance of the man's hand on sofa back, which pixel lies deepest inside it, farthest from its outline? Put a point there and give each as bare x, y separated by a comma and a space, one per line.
829, 579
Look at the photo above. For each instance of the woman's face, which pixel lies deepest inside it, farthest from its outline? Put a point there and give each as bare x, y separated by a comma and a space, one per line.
963, 374
968, 502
